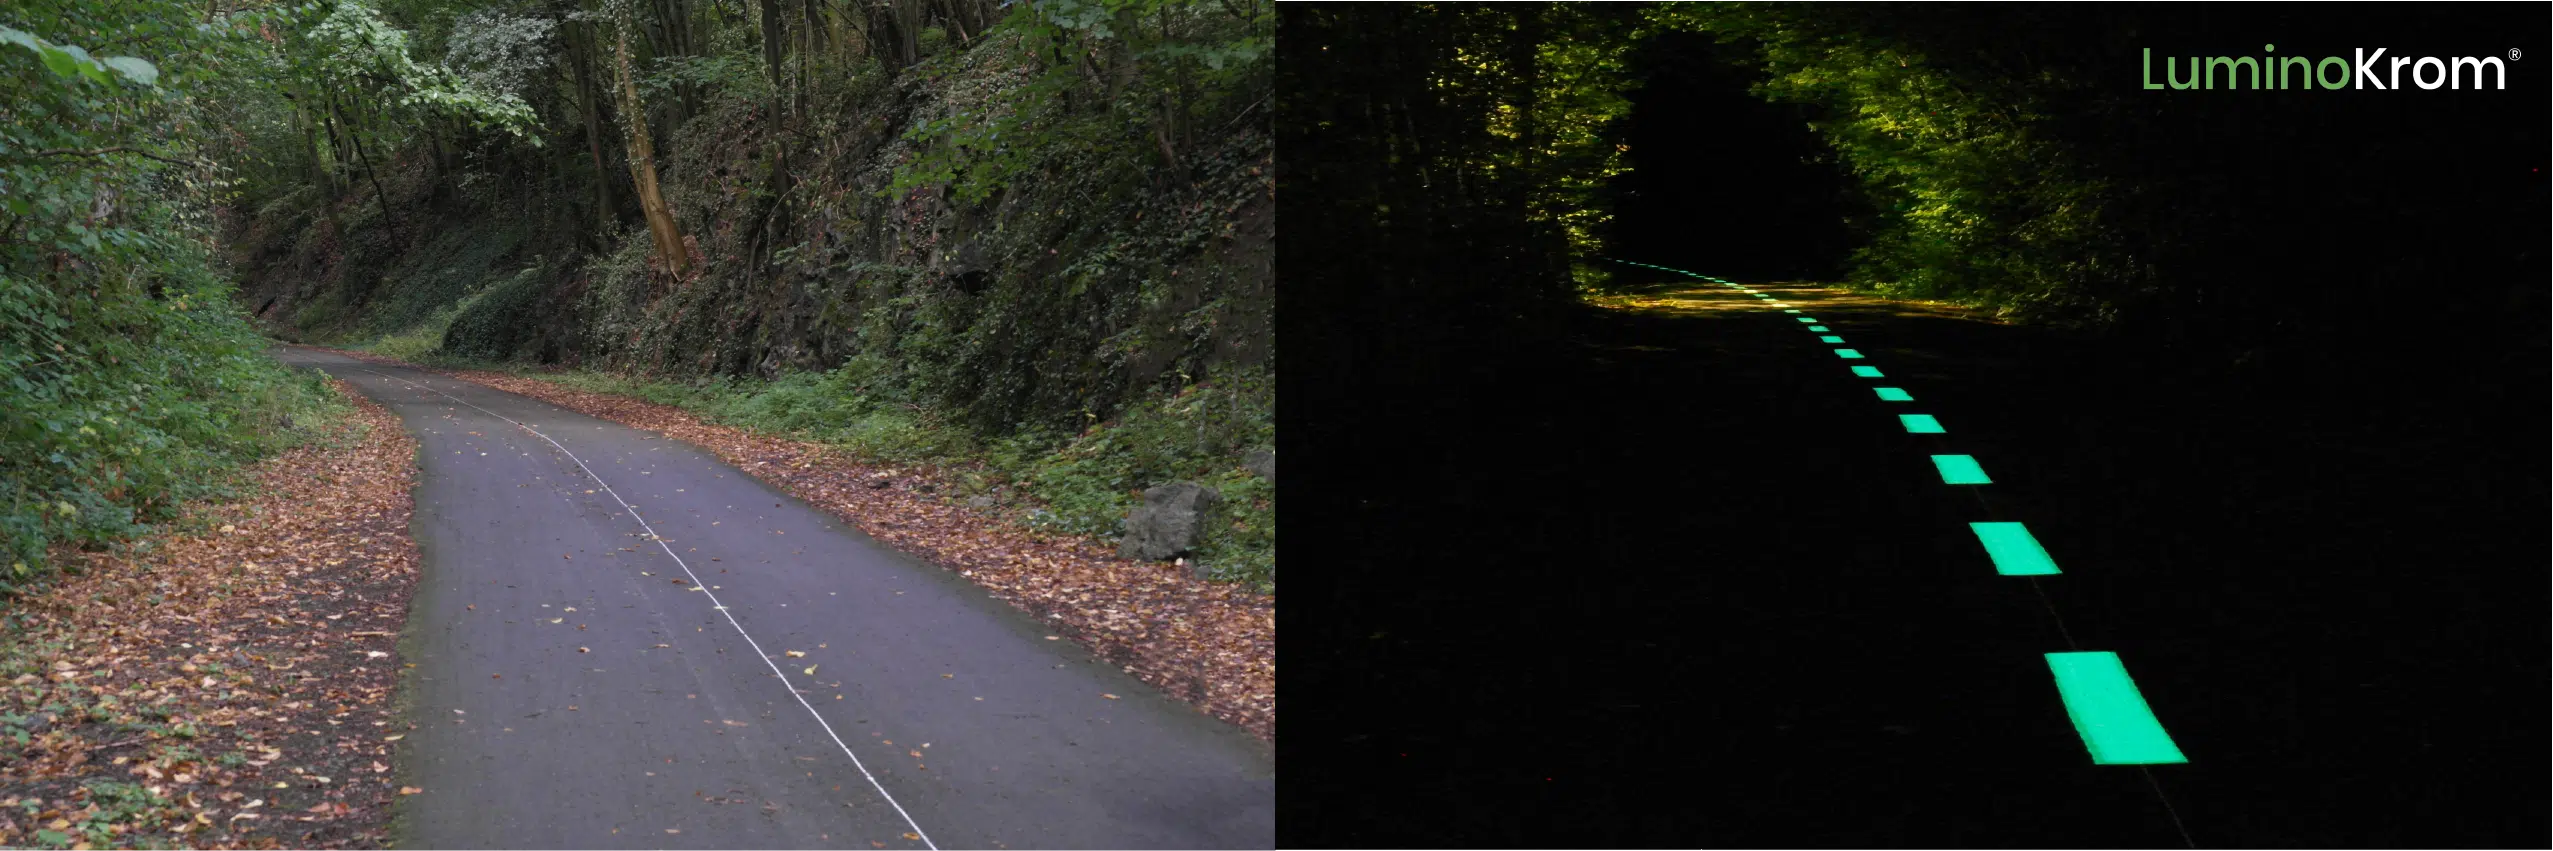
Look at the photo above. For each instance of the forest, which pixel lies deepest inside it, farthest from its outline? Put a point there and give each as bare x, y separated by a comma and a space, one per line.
1027, 238
2005, 157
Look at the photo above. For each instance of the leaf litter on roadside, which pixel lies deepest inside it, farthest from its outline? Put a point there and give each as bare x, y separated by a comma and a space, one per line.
190, 693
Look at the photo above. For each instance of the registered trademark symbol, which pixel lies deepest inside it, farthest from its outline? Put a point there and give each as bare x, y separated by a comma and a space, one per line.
2513, 53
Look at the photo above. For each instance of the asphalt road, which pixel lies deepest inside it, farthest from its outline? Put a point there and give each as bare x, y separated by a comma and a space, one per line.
575, 687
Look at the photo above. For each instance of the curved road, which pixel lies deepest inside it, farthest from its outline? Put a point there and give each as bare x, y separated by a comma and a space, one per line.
576, 687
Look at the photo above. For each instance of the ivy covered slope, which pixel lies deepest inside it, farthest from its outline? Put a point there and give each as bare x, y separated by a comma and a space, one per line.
1031, 239
128, 378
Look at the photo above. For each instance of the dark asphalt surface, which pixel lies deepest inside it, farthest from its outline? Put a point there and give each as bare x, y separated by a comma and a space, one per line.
569, 694
1685, 581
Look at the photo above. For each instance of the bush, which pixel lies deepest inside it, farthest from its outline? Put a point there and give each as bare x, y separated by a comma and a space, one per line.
129, 380
499, 323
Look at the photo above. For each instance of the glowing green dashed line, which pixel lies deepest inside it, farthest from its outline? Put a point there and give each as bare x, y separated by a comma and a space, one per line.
1808, 319
2116, 724
1960, 470
2014, 551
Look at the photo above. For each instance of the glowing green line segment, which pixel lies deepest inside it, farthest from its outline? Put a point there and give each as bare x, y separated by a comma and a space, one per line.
2014, 551
1960, 470
2116, 724
1920, 424
1830, 339
1892, 394
1818, 328
1866, 371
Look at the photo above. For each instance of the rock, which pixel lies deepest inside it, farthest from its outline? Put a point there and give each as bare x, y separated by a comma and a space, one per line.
1168, 522
1261, 463
881, 483
980, 502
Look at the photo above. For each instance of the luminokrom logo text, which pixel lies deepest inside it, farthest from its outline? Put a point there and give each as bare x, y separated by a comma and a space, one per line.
2369, 71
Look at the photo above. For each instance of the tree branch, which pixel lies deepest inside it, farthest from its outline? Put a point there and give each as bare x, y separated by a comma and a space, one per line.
119, 149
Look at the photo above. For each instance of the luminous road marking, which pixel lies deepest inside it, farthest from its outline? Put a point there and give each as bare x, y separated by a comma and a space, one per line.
2014, 552
1960, 470
2117, 727
713, 602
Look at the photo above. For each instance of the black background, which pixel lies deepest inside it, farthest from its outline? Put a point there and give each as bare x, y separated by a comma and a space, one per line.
1604, 581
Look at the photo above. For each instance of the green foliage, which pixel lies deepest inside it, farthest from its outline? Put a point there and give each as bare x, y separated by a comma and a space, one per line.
128, 379
1936, 148
1089, 482
345, 43
69, 61
1082, 484
1557, 111
1121, 77
502, 322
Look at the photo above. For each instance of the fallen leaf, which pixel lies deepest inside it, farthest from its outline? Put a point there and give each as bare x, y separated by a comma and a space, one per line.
1109, 696
793, 654
811, 670
583, 650
409, 790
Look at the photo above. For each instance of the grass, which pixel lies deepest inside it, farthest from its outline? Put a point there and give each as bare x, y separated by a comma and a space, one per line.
1081, 484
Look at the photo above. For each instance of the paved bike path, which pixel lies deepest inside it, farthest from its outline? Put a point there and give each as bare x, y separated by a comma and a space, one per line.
575, 687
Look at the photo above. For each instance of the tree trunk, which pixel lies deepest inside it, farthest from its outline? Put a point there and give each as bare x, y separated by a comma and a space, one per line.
319, 172
642, 167
589, 103
772, 35
811, 39
372, 174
